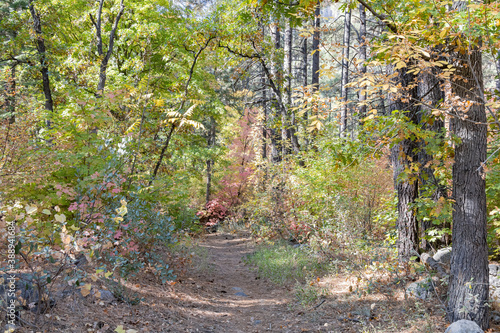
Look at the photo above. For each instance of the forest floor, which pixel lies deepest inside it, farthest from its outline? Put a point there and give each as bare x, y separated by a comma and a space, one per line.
223, 294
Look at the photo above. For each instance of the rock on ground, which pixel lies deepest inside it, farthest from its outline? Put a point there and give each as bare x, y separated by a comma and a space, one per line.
464, 326
422, 289
495, 286
443, 256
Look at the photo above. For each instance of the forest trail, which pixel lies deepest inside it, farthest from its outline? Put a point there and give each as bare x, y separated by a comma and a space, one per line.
230, 297
219, 293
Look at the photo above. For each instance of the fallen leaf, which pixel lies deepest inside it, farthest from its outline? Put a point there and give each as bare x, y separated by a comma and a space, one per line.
120, 329
85, 290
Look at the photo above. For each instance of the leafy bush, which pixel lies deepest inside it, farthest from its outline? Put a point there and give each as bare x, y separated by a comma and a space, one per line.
213, 213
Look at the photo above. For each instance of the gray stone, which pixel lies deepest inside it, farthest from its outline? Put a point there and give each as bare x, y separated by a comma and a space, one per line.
26, 291
495, 318
494, 269
443, 256
464, 326
494, 281
436, 265
242, 294
495, 298
237, 289
107, 296
422, 289
364, 311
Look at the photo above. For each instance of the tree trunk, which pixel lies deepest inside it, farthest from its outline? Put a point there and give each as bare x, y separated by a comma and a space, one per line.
315, 48
105, 57
210, 161
468, 291
304, 83
264, 111
44, 69
362, 57
497, 81
290, 118
345, 73
209, 181
162, 154
277, 145
402, 155
431, 94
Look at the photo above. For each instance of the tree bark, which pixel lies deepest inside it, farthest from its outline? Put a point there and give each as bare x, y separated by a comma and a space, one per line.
210, 161
469, 283
431, 94
290, 117
345, 73
44, 68
315, 48
403, 154
303, 66
362, 56
277, 144
497, 81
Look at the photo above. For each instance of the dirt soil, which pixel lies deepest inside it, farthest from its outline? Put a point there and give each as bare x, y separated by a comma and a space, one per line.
229, 296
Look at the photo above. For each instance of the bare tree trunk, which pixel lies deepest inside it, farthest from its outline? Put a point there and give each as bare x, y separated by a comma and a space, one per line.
315, 47
497, 81
469, 283
290, 119
264, 102
162, 154
264, 111
402, 155
305, 83
44, 68
362, 57
345, 73
277, 145
210, 161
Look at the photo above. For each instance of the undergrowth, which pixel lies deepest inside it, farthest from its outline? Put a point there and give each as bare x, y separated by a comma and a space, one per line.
288, 265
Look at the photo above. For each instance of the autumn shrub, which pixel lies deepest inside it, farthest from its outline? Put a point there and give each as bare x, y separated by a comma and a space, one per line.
213, 213
87, 207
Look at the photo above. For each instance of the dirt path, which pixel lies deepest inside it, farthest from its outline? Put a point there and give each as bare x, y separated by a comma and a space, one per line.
231, 297
226, 295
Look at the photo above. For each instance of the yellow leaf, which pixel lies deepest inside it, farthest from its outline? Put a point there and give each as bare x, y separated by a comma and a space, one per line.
46, 212
120, 329
369, 117
400, 64
85, 290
